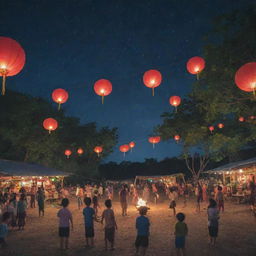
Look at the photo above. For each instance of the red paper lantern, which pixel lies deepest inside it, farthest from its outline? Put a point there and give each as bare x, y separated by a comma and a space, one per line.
177, 138
60, 96
132, 145
152, 79
50, 124
68, 153
220, 125
175, 101
211, 128
252, 117
98, 150
154, 140
195, 65
124, 148
103, 87
12, 59
245, 77
80, 151
241, 119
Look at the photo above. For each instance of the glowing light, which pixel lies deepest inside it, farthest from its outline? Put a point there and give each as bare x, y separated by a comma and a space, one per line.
141, 203
241, 170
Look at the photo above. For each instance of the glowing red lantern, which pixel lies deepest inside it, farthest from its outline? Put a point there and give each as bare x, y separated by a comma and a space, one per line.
103, 87
154, 140
245, 77
152, 79
68, 153
175, 101
124, 148
195, 65
211, 128
220, 125
60, 96
80, 151
12, 59
177, 138
98, 150
50, 124
241, 119
132, 145
252, 117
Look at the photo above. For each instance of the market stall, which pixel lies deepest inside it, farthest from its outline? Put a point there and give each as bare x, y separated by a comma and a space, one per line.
17, 176
236, 177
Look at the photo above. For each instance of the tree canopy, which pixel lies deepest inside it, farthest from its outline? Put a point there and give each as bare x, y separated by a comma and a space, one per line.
23, 138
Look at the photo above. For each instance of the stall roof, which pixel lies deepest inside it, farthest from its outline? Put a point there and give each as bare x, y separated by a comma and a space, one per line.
159, 176
234, 165
18, 169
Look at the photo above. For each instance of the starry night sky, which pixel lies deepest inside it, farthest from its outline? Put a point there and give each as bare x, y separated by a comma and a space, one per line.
72, 43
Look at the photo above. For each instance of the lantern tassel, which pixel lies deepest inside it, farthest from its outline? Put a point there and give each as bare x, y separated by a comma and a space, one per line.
153, 91
197, 75
3, 84
131, 150
49, 131
254, 93
153, 145
98, 154
124, 154
102, 99
176, 109
59, 107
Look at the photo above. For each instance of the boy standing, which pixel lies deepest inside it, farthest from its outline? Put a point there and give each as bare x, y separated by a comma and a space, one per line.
4, 229
181, 231
65, 217
142, 226
89, 217
110, 224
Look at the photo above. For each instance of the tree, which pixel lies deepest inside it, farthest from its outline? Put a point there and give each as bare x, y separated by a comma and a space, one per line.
216, 99
24, 139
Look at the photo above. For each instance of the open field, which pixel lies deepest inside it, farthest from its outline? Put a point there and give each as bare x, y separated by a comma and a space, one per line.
236, 236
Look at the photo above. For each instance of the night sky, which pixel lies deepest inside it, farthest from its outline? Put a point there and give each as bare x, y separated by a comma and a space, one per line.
71, 44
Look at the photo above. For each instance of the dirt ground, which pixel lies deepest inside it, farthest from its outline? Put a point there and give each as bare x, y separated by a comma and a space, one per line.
237, 233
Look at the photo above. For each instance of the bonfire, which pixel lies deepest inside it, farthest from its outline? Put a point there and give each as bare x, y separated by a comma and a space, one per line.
141, 203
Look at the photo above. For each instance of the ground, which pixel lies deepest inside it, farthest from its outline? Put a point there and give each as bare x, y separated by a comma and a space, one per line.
236, 235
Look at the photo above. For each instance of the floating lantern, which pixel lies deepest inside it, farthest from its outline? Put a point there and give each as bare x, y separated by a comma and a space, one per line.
152, 79
103, 87
195, 65
245, 77
60, 96
68, 153
98, 150
177, 138
220, 125
175, 101
80, 151
12, 59
154, 140
211, 128
124, 148
241, 119
50, 124
132, 145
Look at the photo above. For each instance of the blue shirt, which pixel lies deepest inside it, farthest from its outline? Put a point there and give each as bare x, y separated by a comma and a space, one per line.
142, 226
88, 213
3, 230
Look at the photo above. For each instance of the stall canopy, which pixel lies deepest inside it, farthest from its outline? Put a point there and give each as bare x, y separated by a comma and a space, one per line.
160, 177
235, 166
20, 169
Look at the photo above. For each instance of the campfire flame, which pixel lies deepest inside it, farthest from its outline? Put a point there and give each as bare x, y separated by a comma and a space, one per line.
141, 202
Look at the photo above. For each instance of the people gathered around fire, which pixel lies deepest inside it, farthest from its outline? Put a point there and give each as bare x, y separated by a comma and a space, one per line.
96, 200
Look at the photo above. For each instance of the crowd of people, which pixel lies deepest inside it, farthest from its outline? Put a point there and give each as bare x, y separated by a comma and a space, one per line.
14, 209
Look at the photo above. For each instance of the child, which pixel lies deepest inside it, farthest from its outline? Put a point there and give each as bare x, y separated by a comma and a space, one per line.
89, 217
181, 231
21, 211
65, 219
4, 229
220, 198
142, 226
110, 224
213, 221
172, 197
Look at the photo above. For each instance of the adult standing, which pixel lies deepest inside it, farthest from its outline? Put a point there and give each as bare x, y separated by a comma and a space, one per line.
21, 212
123, 194
40, 201
33, 197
